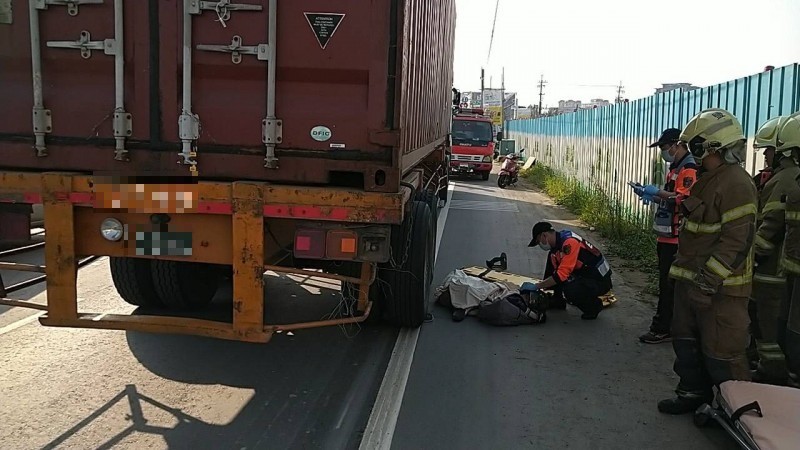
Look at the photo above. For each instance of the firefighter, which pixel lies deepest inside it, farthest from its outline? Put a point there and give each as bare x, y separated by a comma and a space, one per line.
713, 268
576, 269
769, 280
789, 314
682, 175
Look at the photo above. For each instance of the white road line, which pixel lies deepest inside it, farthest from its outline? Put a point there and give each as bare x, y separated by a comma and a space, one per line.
383, 419
21, 323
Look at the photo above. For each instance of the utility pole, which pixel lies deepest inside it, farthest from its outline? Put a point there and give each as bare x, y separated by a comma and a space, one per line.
483, 100
541, 85
503, 98
620, 91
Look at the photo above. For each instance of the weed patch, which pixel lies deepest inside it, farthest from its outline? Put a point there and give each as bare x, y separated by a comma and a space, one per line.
628, 238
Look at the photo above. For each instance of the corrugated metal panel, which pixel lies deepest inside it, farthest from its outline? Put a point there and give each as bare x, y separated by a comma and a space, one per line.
606, 147
384, 73
427, 78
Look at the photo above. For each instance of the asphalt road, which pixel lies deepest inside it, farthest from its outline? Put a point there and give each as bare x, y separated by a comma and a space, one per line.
565, 384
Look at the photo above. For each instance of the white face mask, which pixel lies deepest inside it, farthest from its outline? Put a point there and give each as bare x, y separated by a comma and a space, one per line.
544, 246
666, 156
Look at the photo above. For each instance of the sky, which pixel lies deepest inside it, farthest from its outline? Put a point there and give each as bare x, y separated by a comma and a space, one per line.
640, 43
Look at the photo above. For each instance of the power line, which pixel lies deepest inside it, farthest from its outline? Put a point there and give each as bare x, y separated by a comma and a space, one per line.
491, 40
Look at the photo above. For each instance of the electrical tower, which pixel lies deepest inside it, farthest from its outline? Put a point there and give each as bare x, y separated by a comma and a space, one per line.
541, 85
620, 91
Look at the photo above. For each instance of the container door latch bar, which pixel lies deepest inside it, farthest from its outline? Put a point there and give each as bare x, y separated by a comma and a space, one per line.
72, 5
236, 49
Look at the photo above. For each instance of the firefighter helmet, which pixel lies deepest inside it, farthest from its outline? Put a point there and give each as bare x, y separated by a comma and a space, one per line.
767, 135
788, 138
712, 130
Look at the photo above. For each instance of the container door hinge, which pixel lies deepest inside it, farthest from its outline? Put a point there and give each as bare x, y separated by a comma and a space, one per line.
72, 5
223, 9
236, 49
272, 131
85, 44
271, 136
189, 131
42, 124
123, 128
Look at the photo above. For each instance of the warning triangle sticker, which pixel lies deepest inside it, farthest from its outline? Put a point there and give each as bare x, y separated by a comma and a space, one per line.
324, 25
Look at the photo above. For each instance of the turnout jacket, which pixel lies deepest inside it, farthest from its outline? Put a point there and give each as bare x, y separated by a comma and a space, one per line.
715, 247
771, 222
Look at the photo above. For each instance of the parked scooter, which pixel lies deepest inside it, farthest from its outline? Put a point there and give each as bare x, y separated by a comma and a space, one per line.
509, 172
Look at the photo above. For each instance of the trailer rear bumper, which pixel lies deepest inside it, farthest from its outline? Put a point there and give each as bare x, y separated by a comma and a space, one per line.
229, 222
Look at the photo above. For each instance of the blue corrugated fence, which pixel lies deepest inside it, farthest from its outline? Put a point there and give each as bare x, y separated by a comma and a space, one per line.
606, 147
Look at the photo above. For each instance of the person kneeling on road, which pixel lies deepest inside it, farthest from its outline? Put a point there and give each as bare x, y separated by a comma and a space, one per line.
576, 270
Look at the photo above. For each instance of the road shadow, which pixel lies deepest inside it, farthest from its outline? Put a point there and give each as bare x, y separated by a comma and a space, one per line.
308, 389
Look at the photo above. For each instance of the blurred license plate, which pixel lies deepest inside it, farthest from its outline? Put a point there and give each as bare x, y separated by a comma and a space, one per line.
163, 243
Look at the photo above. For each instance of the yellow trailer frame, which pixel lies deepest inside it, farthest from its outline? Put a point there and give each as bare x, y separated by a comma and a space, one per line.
235, 209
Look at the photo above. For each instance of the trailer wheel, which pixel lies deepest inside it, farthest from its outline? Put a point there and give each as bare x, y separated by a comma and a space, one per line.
133, 281
443, 189
408, 285
432, 200
184, 285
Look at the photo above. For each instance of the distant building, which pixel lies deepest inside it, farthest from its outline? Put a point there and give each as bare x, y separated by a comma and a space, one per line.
528, 112
596, 103
666, 87
568, 106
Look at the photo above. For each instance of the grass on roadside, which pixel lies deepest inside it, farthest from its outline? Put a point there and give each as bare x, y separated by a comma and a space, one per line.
628, 238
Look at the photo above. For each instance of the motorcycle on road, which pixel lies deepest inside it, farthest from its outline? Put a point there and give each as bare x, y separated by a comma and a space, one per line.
509, 172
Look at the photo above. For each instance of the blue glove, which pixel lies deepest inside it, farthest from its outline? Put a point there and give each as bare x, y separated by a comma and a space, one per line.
529, 287
651, 190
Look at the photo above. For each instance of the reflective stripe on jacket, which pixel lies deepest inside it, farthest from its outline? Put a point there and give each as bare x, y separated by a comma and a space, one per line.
771, 222
575, 256
791, 248
715, 249
680, 179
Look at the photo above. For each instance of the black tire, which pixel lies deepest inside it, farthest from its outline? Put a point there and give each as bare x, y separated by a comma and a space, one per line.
432, 200
183, 285
133, 281
502, 181
408, 286
485, 175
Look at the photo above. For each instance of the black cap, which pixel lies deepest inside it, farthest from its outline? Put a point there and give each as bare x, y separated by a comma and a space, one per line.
538, 229
669, 136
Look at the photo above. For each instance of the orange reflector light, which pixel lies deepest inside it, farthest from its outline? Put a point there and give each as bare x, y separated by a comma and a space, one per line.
348, 245
342, 244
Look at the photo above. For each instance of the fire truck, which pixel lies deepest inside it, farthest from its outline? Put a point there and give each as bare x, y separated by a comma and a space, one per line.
473, 144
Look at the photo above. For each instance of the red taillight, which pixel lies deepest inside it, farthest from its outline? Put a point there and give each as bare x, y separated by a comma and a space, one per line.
309, 244
342, 244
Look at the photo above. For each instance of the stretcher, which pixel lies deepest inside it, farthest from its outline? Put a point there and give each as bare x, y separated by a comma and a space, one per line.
757, 416
517, 280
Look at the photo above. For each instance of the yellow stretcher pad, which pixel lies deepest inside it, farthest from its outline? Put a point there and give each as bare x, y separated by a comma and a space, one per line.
517, 280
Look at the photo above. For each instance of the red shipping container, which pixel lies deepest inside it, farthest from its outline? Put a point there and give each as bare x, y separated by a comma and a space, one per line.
362, 89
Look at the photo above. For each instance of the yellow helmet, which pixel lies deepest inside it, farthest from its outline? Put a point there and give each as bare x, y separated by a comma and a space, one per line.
767, 135
788, 138
712, 130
